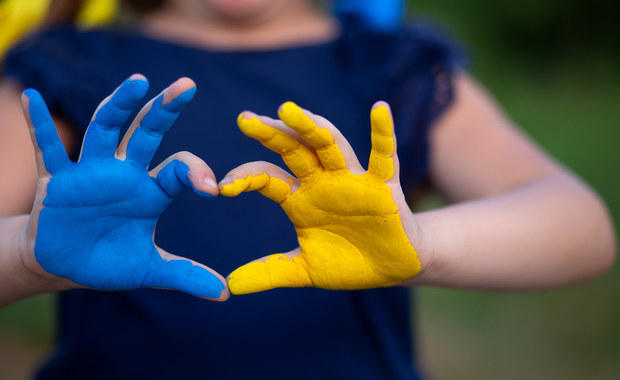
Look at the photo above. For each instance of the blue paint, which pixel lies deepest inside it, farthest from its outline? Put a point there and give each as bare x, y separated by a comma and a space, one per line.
378, 14
101, 139
174, 177
96, 226
54, 154
155, 123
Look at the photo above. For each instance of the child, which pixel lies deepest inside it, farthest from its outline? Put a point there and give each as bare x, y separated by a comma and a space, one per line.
520, 221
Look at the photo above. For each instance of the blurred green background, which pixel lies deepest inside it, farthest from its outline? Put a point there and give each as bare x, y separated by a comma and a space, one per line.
553, 66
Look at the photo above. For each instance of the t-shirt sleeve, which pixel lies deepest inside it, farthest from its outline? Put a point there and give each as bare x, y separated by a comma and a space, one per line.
59, 64
421, 90
413, 70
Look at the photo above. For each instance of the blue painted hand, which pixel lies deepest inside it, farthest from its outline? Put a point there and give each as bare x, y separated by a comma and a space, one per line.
94, 220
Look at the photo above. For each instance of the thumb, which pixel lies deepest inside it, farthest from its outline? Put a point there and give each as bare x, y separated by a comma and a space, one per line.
273, 271
184, 169
178, 273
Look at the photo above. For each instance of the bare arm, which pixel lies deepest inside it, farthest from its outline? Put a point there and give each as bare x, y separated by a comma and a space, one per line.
522, 221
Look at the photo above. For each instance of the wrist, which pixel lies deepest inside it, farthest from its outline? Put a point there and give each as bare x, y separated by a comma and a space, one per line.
421, 237
21, 268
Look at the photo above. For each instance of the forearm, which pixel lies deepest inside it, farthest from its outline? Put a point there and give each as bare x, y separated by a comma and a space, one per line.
547, 233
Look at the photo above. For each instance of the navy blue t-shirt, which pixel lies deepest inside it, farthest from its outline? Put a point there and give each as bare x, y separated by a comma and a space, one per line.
281, 333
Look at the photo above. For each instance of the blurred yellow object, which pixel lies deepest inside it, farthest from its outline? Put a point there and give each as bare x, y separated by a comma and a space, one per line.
20, 17
95, 13
17, 18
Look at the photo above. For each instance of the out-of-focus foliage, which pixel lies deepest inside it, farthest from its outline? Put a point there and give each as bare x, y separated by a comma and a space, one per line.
548, 28
553, 66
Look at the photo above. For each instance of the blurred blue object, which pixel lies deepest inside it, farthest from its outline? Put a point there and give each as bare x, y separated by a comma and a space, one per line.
379, 14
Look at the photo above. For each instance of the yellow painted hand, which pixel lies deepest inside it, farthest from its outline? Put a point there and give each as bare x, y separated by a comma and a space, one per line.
348, 221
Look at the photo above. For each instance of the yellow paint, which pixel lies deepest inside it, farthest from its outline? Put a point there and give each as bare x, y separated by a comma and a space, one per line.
296, 156
271, 187
97, 13
18, 18
319, 138
348, 226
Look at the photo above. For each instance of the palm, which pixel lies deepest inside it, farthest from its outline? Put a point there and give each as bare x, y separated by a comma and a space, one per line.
95, 219
99, 229
348, 225
345, 210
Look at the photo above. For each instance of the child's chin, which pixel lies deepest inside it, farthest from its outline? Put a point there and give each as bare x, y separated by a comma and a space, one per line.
239, 10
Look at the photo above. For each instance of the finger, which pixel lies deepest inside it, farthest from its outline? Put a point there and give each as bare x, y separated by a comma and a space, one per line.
298, 157
51, 153
101, 139
320, 139
188, 276
383, 154
156, 117
340, 141
184, 169
268, 179
273, 271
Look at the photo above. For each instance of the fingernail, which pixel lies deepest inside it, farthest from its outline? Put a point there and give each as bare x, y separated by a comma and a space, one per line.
380, 104
209, 181
135, 77
226, 181
246, 115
